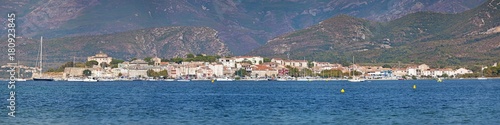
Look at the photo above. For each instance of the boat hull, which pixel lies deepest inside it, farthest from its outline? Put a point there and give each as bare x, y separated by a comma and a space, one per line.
43, 79
183, 80
356, 80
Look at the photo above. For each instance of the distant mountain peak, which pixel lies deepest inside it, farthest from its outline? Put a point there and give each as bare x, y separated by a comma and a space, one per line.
427, 37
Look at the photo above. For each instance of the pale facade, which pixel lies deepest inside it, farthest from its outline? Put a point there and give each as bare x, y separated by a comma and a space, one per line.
462, 71
254, 59
228, 62
263, 71
100, 58
296, 63
217, 69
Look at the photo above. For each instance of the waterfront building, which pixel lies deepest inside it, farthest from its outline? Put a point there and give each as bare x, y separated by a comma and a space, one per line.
217, 69
228, 62
462, 71
256, 60
296, 63
100, 58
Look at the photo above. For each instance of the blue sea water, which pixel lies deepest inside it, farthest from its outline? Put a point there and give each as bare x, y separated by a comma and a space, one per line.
245, 102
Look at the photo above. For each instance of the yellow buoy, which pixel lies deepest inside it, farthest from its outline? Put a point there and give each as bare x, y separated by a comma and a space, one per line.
414, 86
342, 91
212, 81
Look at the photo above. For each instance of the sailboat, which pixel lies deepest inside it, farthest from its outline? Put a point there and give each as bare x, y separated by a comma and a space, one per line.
354, 78
482, 74
41, 78
184, 79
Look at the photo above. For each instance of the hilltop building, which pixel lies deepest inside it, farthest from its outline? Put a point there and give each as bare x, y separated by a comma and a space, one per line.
100, 58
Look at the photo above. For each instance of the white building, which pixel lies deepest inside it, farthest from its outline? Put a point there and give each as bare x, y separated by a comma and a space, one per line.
100, 58
253, 59
412, 71
217, 69
228, 62
296, 63
462, 71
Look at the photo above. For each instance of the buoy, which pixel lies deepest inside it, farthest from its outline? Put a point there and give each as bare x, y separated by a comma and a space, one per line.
342, 91
414, 86
212, 81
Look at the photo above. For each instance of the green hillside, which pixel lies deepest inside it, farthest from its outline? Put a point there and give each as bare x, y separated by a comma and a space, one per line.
466, 38
164, 42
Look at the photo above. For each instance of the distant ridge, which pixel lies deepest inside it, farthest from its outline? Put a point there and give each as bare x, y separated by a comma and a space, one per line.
469, 37
164, 42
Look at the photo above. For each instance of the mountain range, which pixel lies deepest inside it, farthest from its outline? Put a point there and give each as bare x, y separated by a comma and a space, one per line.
470, 37
149, 42
241, 26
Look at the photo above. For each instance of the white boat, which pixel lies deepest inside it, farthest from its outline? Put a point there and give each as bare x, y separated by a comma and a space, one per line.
183, 80
354, 78
73, 79
20, 80
106, 80
224, 79
482, 74
89, 80
302, 79
482, 78
124, 79
281, 80
169, 80
41, 78
152, 80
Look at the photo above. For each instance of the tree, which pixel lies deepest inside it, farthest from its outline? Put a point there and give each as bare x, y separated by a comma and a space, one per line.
81, 64
310, 64
120, 74
152, 73
190, 55
133, 59
91, 63
331, 73
176, 60
104, 64
51, 70
116, 61
163, 73
87, 72
306, 72
294, 72
242, 72
386, 66
267, 60
444, 75
148, 59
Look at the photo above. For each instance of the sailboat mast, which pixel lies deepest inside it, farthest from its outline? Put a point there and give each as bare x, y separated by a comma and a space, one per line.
353, 67
41, 53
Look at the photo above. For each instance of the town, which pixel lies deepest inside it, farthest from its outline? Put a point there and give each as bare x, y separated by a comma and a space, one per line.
102, 67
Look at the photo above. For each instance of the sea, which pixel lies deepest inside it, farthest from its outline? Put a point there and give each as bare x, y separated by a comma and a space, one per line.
253, 102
